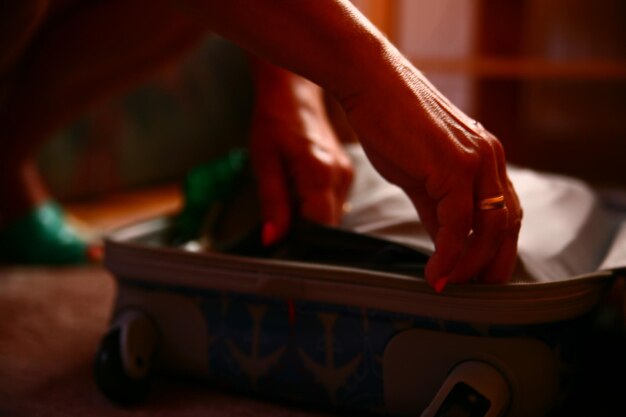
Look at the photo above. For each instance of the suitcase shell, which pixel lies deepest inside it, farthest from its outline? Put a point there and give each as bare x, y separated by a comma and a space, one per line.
344, 337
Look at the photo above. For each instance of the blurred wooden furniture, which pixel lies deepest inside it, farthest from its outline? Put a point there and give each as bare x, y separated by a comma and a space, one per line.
552, 84
548, 78
110, 211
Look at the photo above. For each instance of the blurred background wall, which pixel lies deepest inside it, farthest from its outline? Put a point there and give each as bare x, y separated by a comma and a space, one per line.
547, 77
184, 116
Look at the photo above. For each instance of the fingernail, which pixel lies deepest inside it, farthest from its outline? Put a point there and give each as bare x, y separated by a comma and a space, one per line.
440, 284
95, 253
269, 234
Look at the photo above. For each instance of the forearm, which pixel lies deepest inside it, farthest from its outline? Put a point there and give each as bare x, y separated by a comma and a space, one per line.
323, 41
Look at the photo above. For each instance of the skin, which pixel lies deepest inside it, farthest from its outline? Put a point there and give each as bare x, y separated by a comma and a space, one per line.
415, 138
295, 152
442, 159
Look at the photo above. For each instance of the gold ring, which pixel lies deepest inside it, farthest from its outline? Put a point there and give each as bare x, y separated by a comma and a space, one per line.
492, 203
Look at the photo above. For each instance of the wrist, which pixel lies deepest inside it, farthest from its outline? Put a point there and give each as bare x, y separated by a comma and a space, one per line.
374, 69
277, 88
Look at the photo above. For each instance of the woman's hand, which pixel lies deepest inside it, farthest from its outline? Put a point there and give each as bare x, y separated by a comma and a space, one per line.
299, 163
447, 164
444, 161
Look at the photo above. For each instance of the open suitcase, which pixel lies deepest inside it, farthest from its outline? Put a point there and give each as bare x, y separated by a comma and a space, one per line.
339, 318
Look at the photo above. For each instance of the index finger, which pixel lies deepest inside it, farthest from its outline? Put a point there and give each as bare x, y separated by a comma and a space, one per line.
455, 217
273, 196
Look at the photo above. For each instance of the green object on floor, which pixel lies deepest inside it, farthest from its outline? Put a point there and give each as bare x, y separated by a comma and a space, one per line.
42, 237
205, 186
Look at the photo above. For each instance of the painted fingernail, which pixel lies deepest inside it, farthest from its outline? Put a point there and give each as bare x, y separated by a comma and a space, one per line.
269, 234
440, 284
95, 253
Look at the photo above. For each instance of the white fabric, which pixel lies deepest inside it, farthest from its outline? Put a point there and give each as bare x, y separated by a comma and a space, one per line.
565, 231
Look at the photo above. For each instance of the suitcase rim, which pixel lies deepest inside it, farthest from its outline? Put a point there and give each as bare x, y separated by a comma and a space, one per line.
511, 304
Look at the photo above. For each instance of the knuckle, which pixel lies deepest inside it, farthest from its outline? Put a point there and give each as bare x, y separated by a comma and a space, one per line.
467, 164
511, 223
327, 171
498, 149
490, 146
515, 226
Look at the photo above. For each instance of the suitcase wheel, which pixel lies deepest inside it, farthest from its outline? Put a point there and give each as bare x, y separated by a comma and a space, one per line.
123, 362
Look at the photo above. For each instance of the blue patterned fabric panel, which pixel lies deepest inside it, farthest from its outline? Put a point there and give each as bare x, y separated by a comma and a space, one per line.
324, 354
